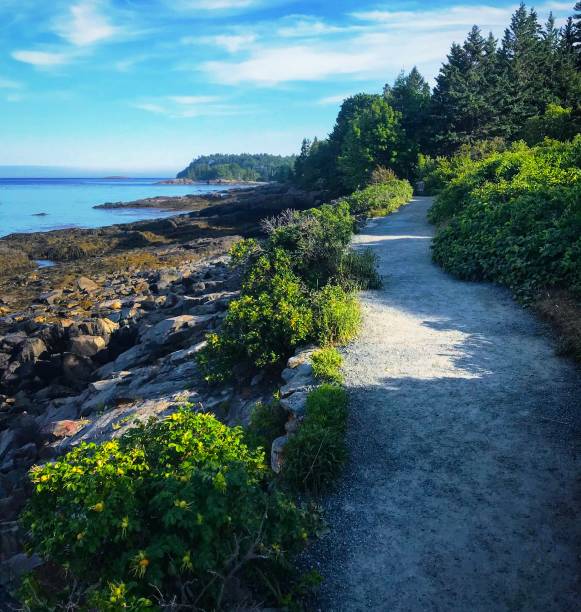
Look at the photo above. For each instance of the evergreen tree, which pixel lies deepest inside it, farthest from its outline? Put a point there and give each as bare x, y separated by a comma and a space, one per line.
463, 105
523, 55
576, 32
410, 96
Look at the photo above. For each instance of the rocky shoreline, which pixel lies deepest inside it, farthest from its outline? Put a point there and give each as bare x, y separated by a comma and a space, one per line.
110, 335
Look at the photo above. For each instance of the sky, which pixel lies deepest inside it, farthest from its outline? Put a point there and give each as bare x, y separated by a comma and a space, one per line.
143, 86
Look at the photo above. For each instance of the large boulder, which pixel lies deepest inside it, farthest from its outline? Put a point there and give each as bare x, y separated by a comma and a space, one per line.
86, 285
175, 329
87, 346
31, 350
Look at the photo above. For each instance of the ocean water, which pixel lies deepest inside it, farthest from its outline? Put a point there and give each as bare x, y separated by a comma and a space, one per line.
69, 202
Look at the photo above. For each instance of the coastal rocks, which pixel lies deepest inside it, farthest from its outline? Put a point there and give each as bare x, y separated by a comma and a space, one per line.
87, 346
299, 379
277, 454
86, 285
295, 404
175, 329
31, 350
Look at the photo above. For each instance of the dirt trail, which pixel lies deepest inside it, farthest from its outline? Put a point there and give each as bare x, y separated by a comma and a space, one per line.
462, 490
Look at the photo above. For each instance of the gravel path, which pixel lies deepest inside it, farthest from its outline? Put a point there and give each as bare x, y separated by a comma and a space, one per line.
462, 491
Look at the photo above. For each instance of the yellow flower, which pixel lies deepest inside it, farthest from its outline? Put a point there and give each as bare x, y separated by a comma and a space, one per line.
140, 564
80, 536
181, 503
98, 507
44, 478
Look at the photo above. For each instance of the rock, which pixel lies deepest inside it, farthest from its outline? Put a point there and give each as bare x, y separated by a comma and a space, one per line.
257, 378
167, 330
21, 564
9, 540
6, 440
50, 297
135, 356
86, 284
301, 356
103, 385
11, 506
26, 453
297, 383
277, 454
87, 346
77, 369
186, 354
111, 304
304, 369
64, 429
292, 426
296, 403
31, 350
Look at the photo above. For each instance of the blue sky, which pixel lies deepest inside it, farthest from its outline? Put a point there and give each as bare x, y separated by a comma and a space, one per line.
145, 85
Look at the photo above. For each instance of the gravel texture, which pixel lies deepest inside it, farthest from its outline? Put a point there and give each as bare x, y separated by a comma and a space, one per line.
461, 492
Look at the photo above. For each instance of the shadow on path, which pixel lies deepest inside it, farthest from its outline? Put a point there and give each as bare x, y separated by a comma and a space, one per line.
462, 488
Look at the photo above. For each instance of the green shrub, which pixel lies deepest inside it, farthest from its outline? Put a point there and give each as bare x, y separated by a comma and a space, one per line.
267, 422
315, 454
515, 218
327, 364
358, 270
269, 320
177, 507
437, 172
557, 122
380, 199
317, 240
337, 315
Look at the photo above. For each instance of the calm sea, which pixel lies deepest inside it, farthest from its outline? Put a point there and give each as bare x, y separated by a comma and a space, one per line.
69, 202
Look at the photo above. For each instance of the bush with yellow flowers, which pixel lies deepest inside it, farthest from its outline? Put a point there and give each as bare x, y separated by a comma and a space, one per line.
177, 509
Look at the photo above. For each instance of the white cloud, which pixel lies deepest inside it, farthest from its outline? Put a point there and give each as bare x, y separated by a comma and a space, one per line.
182, 107
214, 5
192, 100
42, 59
377, 45
14, 98
235, 42
467, 16
150, 108
85, 25
9, 84
294, 63
332, 100
305, 26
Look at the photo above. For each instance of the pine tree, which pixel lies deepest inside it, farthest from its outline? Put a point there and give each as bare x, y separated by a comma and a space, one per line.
463, 107
576, 32
523, 55
410, 96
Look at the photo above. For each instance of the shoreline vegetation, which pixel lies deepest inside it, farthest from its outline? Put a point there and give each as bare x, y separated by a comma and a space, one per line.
172, 405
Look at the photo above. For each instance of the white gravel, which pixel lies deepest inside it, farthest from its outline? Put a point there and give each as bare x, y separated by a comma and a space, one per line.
462, 489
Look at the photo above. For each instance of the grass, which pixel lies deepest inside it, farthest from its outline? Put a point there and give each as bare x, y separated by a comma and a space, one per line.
327, 364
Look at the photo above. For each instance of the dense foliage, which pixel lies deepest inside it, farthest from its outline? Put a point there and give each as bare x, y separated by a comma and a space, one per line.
316, 453
515, 218
176, 509
380, 199
242, 167
526, 87
327, 364
297, 288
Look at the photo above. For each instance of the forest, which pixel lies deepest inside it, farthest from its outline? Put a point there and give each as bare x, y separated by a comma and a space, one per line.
488, 94
242, 167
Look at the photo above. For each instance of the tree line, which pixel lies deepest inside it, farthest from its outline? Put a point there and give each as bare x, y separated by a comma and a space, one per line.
526, 86
241, 167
